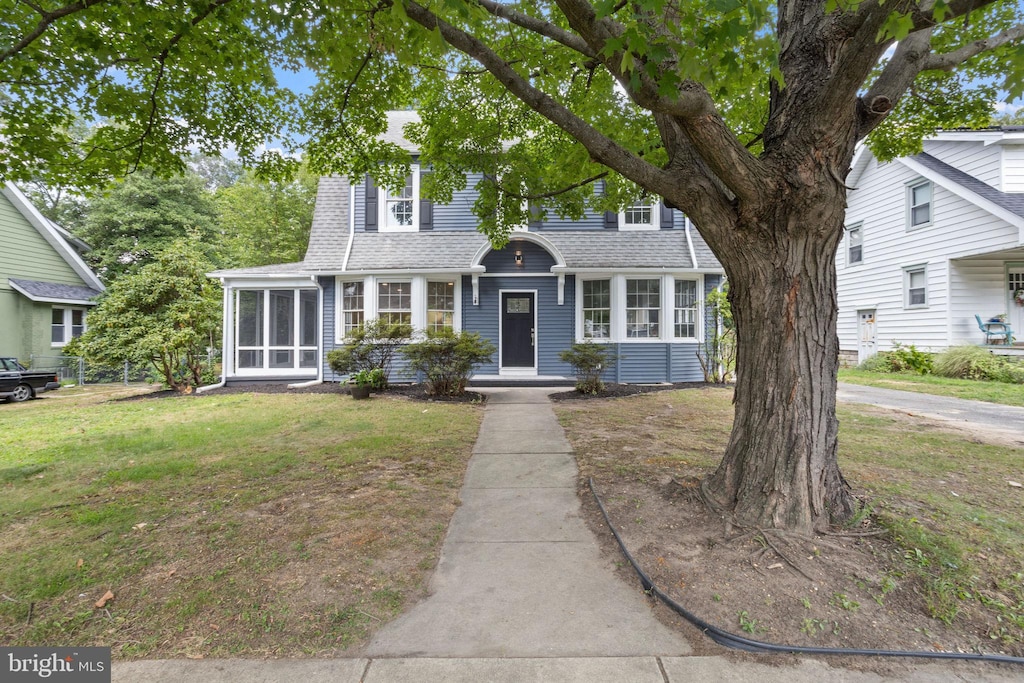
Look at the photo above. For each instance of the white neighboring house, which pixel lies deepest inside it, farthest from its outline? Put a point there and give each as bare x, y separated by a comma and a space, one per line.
931, 241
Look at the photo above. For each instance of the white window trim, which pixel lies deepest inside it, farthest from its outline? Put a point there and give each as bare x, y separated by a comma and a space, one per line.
297, 347
580, 320
655, 223
911, 186
846, 240
382, 206
456, 281
67, 324
418, 293
907, 270
698, 326
618, 305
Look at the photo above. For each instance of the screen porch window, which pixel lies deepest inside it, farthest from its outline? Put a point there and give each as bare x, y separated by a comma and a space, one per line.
686, 309
351, 306
276, 329
597, 309
394, 303
440, 306
643, 306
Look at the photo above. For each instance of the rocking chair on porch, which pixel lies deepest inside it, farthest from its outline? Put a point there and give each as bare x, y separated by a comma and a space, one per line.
995, 332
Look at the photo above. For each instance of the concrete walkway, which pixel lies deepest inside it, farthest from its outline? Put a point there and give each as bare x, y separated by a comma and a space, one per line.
520, 575
521, 593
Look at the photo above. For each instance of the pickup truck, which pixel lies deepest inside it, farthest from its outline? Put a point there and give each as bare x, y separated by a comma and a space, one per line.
18, 383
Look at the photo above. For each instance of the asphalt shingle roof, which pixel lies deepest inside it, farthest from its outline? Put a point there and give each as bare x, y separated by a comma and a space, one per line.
1013, 203
53, 291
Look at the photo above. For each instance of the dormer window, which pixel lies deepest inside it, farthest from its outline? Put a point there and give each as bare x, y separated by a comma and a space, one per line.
919, 204
400, 210
642, 215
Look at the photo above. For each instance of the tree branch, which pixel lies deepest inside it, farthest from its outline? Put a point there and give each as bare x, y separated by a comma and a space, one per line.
950, 60
544, 28
601, 148
47, 19
894, 81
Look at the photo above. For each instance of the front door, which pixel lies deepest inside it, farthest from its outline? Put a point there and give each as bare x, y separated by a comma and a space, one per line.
518, 333
865, 335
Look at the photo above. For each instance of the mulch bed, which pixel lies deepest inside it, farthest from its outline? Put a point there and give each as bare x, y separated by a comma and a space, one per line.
416, 392
617, 390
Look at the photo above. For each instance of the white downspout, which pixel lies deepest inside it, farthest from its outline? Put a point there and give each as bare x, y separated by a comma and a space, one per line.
689, 241
351, 225
225, 342
320, 335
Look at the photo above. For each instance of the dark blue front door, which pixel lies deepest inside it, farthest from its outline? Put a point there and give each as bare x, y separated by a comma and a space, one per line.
517, 332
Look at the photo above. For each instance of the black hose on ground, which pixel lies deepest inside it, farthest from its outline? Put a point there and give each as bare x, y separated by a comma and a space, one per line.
740, 643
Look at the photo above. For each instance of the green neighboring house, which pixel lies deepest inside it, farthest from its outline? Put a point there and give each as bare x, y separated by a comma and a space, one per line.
45, 286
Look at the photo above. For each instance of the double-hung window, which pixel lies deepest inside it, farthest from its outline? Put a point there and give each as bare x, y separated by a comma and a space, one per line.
440, 306
686, 309
394, 303
351, 306
597, 309
400, 210
854, 245
915, 282
66, 324
643, 308
919, 204
643, 215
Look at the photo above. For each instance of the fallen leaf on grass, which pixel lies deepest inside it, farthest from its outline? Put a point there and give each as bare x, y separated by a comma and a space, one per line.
80, 563
1015, 484
102, 602
777, 565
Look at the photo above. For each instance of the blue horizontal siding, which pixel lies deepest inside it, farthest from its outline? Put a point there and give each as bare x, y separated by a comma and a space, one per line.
684, 364
536, 259
327, 283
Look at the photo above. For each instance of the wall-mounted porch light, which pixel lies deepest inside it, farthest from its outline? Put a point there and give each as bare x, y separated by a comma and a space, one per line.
519, 258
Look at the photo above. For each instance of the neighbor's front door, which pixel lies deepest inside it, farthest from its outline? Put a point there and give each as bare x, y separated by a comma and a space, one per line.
866, 346
518, 334
1015, 313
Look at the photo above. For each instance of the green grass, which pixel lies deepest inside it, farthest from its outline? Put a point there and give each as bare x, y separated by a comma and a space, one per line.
942, 496
991, 392
224, 524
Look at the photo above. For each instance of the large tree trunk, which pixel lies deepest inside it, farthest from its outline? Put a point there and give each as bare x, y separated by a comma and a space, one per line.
779, 469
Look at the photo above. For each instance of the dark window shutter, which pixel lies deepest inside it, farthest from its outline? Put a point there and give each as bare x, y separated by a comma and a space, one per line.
666, 216
611, 220
426, 210
371, 205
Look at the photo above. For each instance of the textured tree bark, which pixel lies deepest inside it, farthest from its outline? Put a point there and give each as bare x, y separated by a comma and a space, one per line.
780, 469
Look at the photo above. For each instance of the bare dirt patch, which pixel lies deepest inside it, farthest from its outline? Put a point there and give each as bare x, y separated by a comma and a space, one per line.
871, 586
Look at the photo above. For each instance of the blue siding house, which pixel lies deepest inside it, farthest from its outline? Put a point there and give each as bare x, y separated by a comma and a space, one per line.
635, 281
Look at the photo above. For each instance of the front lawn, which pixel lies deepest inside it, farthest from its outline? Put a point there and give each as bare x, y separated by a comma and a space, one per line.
937, 560
975, 390
224, 525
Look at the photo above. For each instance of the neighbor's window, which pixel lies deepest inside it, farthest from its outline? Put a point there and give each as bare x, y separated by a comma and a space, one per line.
919, 200
66, 324
854, 245
686, 309
597, 309
394, 302
351, 306
916, 282
643, 307
400, 209
440, 306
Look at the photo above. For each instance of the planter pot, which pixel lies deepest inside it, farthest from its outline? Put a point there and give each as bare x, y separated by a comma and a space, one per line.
360, 392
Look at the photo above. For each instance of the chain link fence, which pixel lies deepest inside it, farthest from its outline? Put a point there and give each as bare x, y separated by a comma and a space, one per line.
77, 369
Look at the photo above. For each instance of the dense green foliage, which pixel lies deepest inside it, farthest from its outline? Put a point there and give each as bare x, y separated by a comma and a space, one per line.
717, 352
136, 219
167, 313
371, 346
447, 359
974, 362
588, 361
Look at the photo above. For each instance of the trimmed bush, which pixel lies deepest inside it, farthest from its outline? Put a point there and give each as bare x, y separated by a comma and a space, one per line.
588, 361
447, 358
371, 346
